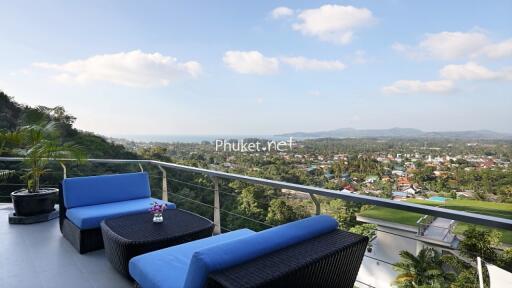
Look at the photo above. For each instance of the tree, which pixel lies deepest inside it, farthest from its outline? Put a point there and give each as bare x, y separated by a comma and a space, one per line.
466, 279
368, 230
344, 213
338, 168
505, 260
248, 205
422, 270
7, 139
466, 273
279, 212
480, 242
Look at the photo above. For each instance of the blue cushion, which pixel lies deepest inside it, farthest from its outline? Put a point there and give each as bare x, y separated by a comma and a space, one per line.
168, 267
89, 217
93, 190
238, 251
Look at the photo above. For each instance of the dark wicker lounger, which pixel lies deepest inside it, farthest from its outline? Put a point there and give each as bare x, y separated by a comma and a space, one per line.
83, 240
86, 201
331, 260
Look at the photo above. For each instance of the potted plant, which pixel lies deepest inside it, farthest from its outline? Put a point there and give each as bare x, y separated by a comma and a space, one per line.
40, 145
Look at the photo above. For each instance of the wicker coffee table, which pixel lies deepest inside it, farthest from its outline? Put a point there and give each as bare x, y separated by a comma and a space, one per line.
128, 236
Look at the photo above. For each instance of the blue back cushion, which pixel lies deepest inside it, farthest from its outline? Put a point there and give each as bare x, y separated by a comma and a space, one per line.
232, 253
167, 268
93, 190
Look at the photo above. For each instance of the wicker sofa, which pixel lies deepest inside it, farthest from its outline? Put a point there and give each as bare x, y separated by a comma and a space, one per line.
307, 253
85, 201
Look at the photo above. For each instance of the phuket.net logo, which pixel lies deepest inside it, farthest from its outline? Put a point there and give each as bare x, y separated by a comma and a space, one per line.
251, 145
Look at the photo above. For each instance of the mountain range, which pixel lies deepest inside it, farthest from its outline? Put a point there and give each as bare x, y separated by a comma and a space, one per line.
400, 133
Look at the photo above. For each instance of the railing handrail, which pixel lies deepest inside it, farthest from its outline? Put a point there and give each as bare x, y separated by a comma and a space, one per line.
463, 216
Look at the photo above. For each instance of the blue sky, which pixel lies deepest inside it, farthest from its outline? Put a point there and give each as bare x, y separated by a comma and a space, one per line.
261, 67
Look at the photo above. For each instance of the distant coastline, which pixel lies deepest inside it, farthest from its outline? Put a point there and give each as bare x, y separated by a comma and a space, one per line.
192, 138
342, 133
401, 133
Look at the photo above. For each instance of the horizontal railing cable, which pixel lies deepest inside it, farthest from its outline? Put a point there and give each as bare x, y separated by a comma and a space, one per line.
367, 285
222, 210
246, 218
24, 185
190, 184
212, 189
192, 200
380, 260
226, 229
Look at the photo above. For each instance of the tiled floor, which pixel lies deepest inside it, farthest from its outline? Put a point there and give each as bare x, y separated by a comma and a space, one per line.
37, 255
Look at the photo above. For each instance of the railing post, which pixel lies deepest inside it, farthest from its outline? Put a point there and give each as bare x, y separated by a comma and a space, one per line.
317, 203
64, 170
216, 206
165, 197
141, 169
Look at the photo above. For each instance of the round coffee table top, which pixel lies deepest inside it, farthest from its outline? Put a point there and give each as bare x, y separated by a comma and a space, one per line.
140, 227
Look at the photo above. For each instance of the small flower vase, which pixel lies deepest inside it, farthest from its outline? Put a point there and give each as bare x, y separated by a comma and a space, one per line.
158, 218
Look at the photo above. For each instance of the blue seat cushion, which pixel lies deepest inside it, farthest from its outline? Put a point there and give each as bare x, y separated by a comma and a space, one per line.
167, 268
232, 253
94, 190
89, 217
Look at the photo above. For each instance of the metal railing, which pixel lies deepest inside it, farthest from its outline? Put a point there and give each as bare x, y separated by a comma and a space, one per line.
423, 223
468, 217
170, 180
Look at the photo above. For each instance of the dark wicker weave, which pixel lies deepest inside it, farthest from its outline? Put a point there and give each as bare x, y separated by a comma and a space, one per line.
331, 260
128, 236
83, 240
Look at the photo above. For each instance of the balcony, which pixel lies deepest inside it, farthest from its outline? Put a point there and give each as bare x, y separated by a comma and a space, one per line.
41, 250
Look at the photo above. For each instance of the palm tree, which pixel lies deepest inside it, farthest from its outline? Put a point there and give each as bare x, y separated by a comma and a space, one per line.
424, 270
42, 146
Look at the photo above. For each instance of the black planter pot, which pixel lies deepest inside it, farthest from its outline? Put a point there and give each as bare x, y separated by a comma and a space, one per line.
32, 204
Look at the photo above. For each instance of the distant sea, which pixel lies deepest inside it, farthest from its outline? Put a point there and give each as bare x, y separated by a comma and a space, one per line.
195, 138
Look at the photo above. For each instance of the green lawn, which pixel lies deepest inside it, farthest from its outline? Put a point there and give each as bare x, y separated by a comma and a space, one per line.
503, 210
392, 215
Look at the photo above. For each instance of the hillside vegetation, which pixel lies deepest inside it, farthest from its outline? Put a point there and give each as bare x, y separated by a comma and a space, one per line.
14, 115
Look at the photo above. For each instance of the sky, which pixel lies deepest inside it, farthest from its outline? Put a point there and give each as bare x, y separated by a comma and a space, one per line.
261, 67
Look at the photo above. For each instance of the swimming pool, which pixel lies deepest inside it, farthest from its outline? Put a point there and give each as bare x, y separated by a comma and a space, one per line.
438, 199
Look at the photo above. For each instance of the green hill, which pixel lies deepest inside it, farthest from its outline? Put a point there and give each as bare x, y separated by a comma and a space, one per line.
14, 115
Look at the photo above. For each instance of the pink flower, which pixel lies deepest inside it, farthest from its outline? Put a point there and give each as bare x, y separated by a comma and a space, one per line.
157, 208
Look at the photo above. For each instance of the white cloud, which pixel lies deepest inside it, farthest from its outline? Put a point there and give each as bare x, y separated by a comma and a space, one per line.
253, 62
281, 12
497, 50
302, 63
250, 62
473, 71
135, 68
450, 74
456, 45
445, 45
468, 71
416, 86
333, 23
